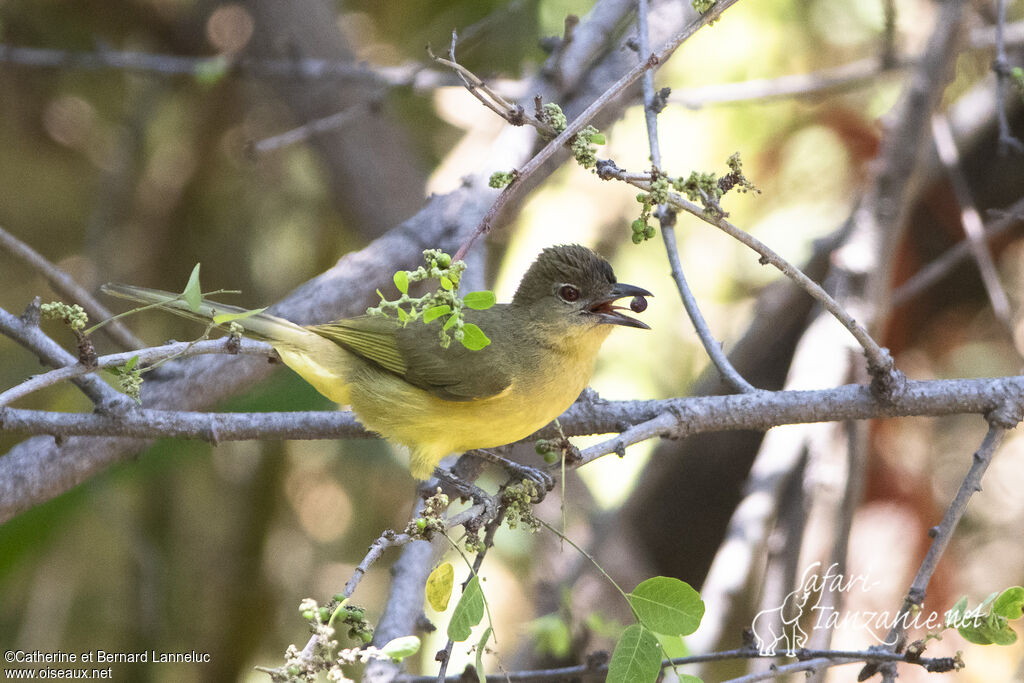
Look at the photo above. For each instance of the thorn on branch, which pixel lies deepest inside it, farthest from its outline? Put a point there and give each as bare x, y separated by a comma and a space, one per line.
31, 315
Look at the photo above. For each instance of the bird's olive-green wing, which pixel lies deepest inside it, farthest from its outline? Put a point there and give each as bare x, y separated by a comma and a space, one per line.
413, 352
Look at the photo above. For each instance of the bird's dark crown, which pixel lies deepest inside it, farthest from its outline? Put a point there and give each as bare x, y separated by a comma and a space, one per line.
568, 264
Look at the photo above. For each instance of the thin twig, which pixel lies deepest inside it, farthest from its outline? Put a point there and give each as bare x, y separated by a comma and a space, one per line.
577, 124
942, 266
514, 114
413, 74
856, 74
144, 357
666, 221
944, 531
64, 285
860, 73
1007, 141
945, 145
879, 359
326, 124
814, 658
29, 335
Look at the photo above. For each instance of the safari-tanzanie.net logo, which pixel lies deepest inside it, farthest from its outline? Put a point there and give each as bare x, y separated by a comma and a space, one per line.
785, 629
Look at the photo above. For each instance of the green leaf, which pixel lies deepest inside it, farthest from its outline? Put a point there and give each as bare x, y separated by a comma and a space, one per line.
450, 321
479, 301
672, 646
439, 586
474, 338
597, 138
222, 318
1010, 603
1004, 636
435, 312
636, 658
446, 283
480, 647
132, 362
400, 648
667, 605
955, 614
192, 294
402, 281
468, 612
402, 315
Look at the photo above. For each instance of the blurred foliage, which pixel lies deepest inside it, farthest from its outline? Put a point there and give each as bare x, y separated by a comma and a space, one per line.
135, 177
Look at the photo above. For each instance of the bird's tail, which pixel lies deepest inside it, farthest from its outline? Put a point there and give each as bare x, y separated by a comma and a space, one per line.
316, 359
256, 324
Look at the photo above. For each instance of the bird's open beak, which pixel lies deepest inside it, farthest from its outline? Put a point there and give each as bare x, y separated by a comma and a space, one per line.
608, 313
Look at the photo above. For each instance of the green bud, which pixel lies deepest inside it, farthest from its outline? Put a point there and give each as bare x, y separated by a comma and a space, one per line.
637, 238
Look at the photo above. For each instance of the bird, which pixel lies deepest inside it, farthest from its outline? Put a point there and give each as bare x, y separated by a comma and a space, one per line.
435, 401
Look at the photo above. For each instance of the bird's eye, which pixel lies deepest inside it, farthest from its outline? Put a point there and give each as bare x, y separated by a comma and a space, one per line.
568, 293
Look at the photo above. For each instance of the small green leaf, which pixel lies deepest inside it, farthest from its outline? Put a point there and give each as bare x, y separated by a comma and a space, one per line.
956, 612
192, 294
222, 318
449, 322
446, 283
480, 647
673, 646
402, 281
1004, 636
439, 586
479, 301
402, 315
1010, 603
435, 312
474, 338
130, 364
667, 605
468, 612
598, 138
400, 648
636, 658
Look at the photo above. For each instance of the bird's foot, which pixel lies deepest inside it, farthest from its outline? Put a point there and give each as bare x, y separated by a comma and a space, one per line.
544, 481
468, 490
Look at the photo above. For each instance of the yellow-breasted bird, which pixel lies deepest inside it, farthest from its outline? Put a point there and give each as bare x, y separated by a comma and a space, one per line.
436, 401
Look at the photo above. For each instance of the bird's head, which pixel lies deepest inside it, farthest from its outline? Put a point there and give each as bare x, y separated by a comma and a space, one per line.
574, 284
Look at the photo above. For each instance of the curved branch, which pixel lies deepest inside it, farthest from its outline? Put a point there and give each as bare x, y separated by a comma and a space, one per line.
245, 347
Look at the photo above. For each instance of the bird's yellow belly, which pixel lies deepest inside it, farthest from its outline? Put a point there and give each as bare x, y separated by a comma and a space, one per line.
433, 428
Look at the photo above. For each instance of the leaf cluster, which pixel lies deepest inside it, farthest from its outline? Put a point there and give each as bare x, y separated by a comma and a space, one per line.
440, 304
